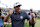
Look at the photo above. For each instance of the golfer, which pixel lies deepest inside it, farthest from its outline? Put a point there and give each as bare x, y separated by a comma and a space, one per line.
18, 17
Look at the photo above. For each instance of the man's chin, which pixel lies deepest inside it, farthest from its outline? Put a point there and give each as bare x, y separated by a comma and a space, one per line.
18, 11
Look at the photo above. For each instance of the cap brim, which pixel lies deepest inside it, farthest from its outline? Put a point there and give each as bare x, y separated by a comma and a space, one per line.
18, 5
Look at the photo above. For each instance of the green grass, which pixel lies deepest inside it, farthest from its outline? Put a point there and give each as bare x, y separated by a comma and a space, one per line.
27, 25
9, 25
37, 23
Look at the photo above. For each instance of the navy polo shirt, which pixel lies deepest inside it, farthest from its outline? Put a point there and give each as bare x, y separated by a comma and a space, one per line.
18, 19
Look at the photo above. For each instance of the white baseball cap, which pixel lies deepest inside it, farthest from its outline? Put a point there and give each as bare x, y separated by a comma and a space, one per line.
16, 4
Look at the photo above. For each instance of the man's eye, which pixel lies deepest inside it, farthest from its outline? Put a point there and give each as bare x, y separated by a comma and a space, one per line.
16, 6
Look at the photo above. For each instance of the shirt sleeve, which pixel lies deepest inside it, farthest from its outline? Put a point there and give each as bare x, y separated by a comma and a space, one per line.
27, 16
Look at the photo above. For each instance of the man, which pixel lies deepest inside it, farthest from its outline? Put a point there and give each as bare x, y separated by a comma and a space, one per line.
18, 17
1, 19
32, 16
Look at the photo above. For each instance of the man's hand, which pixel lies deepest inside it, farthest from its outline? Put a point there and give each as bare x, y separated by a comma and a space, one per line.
11, 11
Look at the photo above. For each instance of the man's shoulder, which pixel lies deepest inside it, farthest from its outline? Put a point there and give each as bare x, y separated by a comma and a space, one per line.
23, 11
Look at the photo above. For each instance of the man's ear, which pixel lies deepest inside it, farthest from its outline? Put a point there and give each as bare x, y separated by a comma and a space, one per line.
14, 7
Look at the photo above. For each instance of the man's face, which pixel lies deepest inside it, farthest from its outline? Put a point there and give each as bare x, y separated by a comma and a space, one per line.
31, 11
17, 8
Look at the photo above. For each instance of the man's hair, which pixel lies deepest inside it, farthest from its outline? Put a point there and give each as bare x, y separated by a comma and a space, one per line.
30, 9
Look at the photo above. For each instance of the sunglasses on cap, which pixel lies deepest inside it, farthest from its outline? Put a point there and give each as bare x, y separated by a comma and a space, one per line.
18, 6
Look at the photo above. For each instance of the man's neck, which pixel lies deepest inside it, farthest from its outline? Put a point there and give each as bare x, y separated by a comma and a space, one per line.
17, 12
31, 12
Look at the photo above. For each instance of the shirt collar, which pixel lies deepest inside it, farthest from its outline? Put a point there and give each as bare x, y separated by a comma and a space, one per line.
15, 12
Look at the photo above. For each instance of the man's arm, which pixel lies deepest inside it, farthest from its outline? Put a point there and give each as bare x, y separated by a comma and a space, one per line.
8, 16
27, 16
5, 17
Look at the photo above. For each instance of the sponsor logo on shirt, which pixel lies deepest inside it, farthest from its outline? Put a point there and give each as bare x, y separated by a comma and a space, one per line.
21, 17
